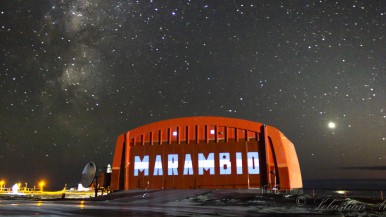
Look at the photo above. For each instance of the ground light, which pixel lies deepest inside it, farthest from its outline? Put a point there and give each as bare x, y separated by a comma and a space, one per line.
41, 185
2, 184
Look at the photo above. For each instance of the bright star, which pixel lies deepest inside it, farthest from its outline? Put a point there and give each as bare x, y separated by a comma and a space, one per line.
331, 125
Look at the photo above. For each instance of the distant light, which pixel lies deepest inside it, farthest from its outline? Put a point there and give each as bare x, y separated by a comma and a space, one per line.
41, 185
341, 192
81, 204
175, 133
2, 185
331, 125
212, 132
15, 189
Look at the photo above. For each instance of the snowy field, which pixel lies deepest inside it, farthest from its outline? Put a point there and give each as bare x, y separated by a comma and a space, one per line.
195, 203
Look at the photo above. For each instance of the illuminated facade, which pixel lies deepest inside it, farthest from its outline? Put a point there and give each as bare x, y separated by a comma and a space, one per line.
204, 152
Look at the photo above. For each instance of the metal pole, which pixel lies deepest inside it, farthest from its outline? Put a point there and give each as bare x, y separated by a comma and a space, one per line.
96, 186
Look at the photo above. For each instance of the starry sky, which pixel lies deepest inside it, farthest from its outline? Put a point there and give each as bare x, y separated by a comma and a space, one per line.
76, 74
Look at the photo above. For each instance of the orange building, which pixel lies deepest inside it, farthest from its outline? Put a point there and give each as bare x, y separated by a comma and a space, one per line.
204, 152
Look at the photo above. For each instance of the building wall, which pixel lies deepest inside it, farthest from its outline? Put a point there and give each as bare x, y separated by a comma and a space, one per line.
243, 154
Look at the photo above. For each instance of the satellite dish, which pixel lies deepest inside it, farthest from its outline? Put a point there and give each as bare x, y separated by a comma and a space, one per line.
88, 174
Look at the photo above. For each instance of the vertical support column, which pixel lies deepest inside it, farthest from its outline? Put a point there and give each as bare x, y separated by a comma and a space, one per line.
160, 136
267, 153
236, 134
178, 135
206, 134
262, 158
187, 134
151, 139
169, 136
197, 135
226, 134
127, 161
216, 133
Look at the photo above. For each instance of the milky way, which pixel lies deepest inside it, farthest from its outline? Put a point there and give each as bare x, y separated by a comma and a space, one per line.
76, 74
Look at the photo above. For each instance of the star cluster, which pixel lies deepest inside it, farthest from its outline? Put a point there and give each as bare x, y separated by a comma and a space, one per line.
76, 74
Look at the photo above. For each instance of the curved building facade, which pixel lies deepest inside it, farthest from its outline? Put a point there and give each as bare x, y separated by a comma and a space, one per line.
204, 152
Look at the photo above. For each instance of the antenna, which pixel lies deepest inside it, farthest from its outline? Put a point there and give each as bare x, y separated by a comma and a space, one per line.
88, 174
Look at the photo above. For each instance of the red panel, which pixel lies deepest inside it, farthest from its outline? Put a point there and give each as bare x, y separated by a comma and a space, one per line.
174, 134
139, 140
183, 134
211, 132
221, 133
165, 135
132, 141
192, 133
241, 134
252, 135
156, 137
287, 160
231, 134
147, 137
128, 146
117, 162
201, 134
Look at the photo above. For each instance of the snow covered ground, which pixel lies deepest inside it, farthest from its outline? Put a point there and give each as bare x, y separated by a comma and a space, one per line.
195, 203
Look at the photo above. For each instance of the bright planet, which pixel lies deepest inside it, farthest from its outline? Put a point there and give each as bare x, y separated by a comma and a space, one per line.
331, 125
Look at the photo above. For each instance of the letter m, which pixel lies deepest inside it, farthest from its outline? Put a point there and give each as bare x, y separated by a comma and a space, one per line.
205, 163
141, 165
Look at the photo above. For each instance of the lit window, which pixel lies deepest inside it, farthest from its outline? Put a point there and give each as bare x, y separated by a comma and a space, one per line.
174, 133
212, 132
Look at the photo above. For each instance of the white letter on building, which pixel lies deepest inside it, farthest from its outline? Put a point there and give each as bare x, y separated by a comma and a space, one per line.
239, 163
253, 163
188, 165
172, 164
225, 163
141, 166
205, 163
158, 166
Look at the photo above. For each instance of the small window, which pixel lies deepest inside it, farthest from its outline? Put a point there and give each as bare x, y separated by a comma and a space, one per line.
174, 133
212, 132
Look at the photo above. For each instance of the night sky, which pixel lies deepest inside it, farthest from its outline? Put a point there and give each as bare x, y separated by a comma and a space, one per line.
76, 74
